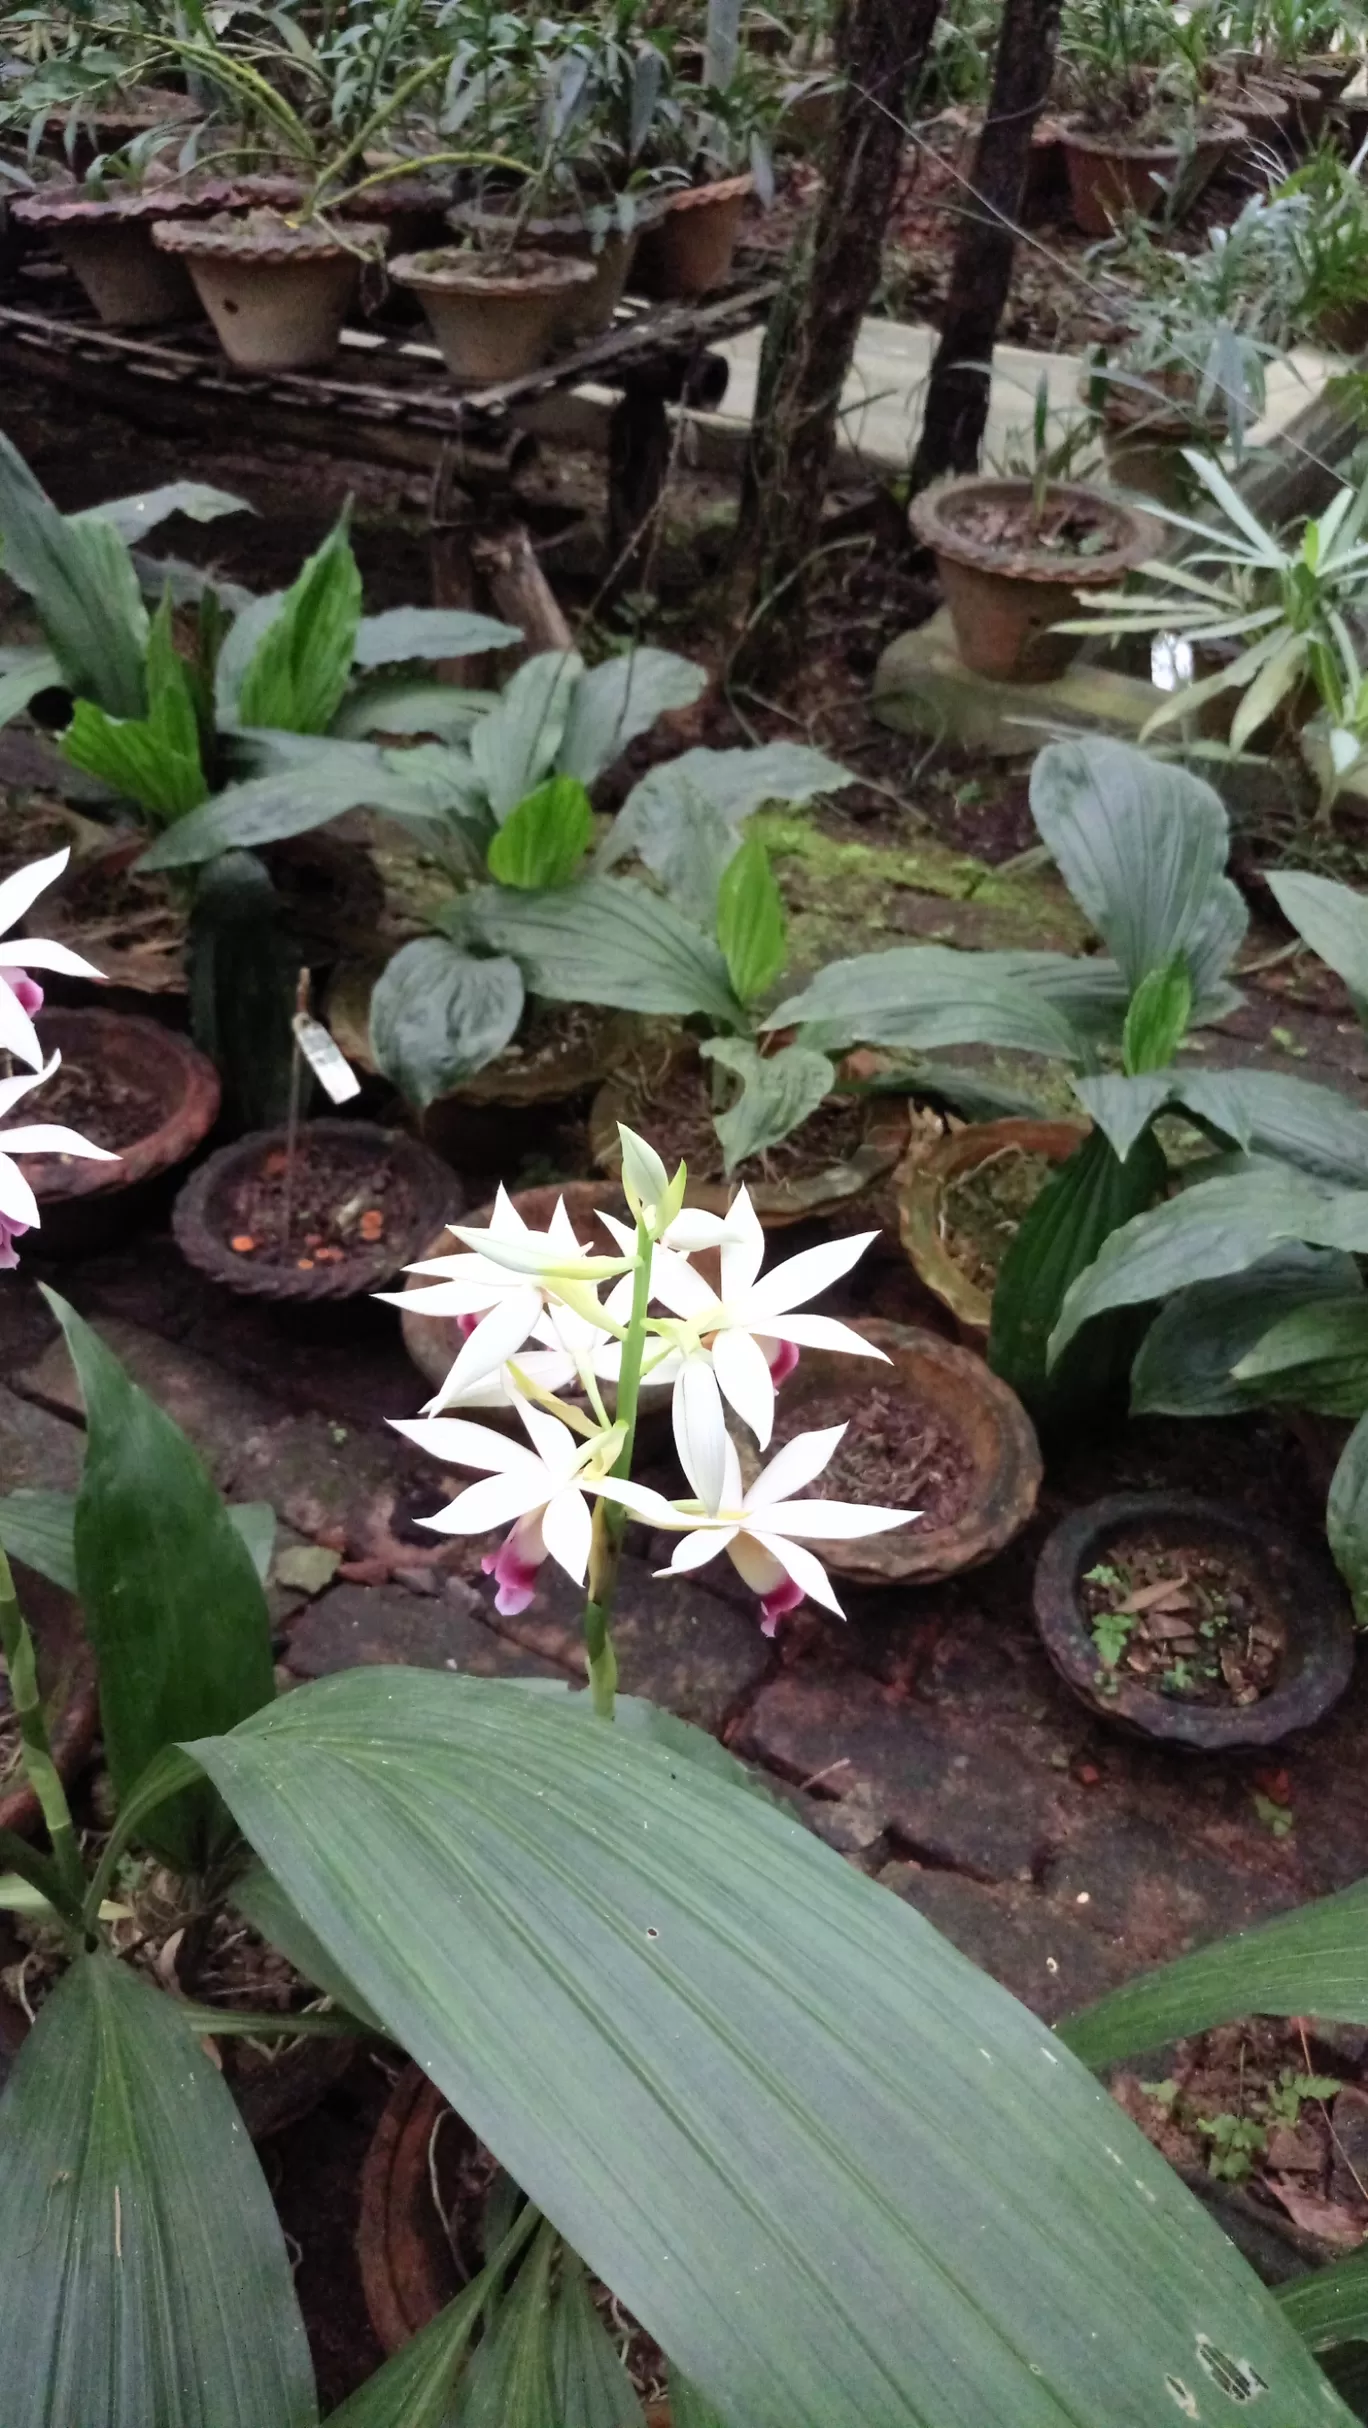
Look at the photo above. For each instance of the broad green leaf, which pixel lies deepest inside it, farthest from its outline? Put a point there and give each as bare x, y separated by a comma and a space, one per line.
1314, 1356
1157, 1018
39, 1528
778, 1093
1328, 2307
261, 1901
615, 702
519, 741
684, 819
509, 2380
1122, 1107
81, 580
1313, 1961
146, 2277
1333, 919
607, 940
1142, 845
133, 517
1081, 1206
173, 1605
414, 2389
542, 841
1188, 1358
299, 669
1346, 1518
153, 760
403, 633
23, 674
1313, 1129
438, 1014
240, 644
687, 2407
925, 995
835, 2171
751, 927
390, 705
591, 2388
322, 780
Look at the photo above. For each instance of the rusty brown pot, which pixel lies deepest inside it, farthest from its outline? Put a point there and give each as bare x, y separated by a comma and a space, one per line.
1109, 178
1004, 602
921, 1189
690, 248
84, 1204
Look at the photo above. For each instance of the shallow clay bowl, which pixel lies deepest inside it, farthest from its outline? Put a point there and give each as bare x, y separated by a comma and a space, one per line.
921, 1184
203, 1214
84, 1203
1300, 1588
956, 1387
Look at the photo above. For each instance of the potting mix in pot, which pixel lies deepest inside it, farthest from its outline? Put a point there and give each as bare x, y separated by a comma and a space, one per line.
1192, 1624
982, 1209
894, 1449
307, 1207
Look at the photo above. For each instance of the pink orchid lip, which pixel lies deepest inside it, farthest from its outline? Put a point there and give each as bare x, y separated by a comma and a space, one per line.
516, 1565
782, 1359
9, 1232
466, 1324
777, 1605
27, 989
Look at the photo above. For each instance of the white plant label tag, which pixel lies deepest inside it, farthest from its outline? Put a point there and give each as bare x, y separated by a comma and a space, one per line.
326, 1059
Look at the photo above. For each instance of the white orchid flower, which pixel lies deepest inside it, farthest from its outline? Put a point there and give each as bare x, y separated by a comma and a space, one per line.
18, 1205
739, 1341
542, 1489
20, 995
505, 1282
764, 1532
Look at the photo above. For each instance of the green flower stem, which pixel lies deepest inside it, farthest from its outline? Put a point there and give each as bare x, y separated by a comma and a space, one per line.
69, 1878
610, 1521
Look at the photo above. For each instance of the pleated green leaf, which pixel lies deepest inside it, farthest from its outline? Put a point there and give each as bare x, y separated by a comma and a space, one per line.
1187, 1362
84, 589
607, 940
1330, 2306
839, 2174
1080, 1207
145, 2281
591, 2387
1311, 1962
414, 2389
510, 2380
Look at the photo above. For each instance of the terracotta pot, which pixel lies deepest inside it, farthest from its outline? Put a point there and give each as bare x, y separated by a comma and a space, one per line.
1004, 603
1108, 177
1143, 438
66, 1680
203, 1214
956, 1387
691, 247
582, 311
108, 247
277, 295
84, 1204
1303, 1590
115, 119
493, 320
628, 1096
921, 1192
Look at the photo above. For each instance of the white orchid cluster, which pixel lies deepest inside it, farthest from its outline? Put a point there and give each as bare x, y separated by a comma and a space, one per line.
21, 997
542, 1313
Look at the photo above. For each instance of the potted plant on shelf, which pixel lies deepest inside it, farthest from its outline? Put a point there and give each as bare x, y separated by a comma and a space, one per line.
1322, 218
1136, 130
717, 143
101, 225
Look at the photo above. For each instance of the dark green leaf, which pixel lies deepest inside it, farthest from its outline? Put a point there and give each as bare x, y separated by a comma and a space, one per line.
39, 1529
1123, 1107
146, 2278
1310, 1962
1334, 921
243, 971
925, 995
1187, 1360
606, 940
133, 517
615, 702
1316, 1130
261, 1901
1156, 1021
438, 1014
591, 2388
81, 580
1328, 2307
321, 780
1078, 1209
751, 927
172, 1602
300, 666
153, 760
509, 2381
404, 633
778, 1093
414, 2389
1346, 1517
256, 1523
389, 706
542, 841
652, 2030
23, 674
1314, 1356
687, 2407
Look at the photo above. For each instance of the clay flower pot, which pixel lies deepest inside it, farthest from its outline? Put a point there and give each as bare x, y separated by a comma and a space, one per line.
691, 247
997, 1456
368, 1171
116, 118
922, 1187
107, 245
494, 317
277, 294
583, 311
1005, 594
1300, 1589
140, 1074
1109, 177
66, 1680
1143, 437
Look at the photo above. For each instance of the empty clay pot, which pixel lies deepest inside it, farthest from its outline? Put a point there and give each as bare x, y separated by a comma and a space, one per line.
493, 318
1109, 177
1005, 599
276, 294
690, 248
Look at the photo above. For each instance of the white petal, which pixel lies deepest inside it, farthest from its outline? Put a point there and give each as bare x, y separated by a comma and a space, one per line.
554, 1443
445, 1298
804, 1567
802, 1277
567, 1531
755, 1566
497, 1336
700, 1430
53, 1138
833, 1521
505, 1217
12, 1089
490, 1503
745, 1379
695, 1550
643, 1174
743, 1246
26, 884
623, 1232
792, 1467
640, 1500
458, 1444
17, 1201
678, 1287
491, 1393
17, 1032
36, 953
561, 1230
819, 1332
693, 1229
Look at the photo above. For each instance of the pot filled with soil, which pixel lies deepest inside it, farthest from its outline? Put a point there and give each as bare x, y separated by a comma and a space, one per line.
107, 245
425, 2185
276, 292
847, 1145
933, 1431
690, 248
85, 130
1011, 566
127, 1084
1114, 174
341, 1213
961, 1203
66, 1681
494, 316
1187, 1621
583, 310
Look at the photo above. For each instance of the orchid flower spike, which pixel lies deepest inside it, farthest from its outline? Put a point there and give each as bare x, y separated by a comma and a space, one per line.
764, 1532
20, 995
654, 1199
18, 1205
542, 1489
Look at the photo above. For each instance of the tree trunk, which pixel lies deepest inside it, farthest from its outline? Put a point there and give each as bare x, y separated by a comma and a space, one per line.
957, 393
809, 346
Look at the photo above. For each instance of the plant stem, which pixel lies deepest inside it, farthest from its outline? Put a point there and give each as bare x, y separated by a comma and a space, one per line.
40, 1769
610, 1521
